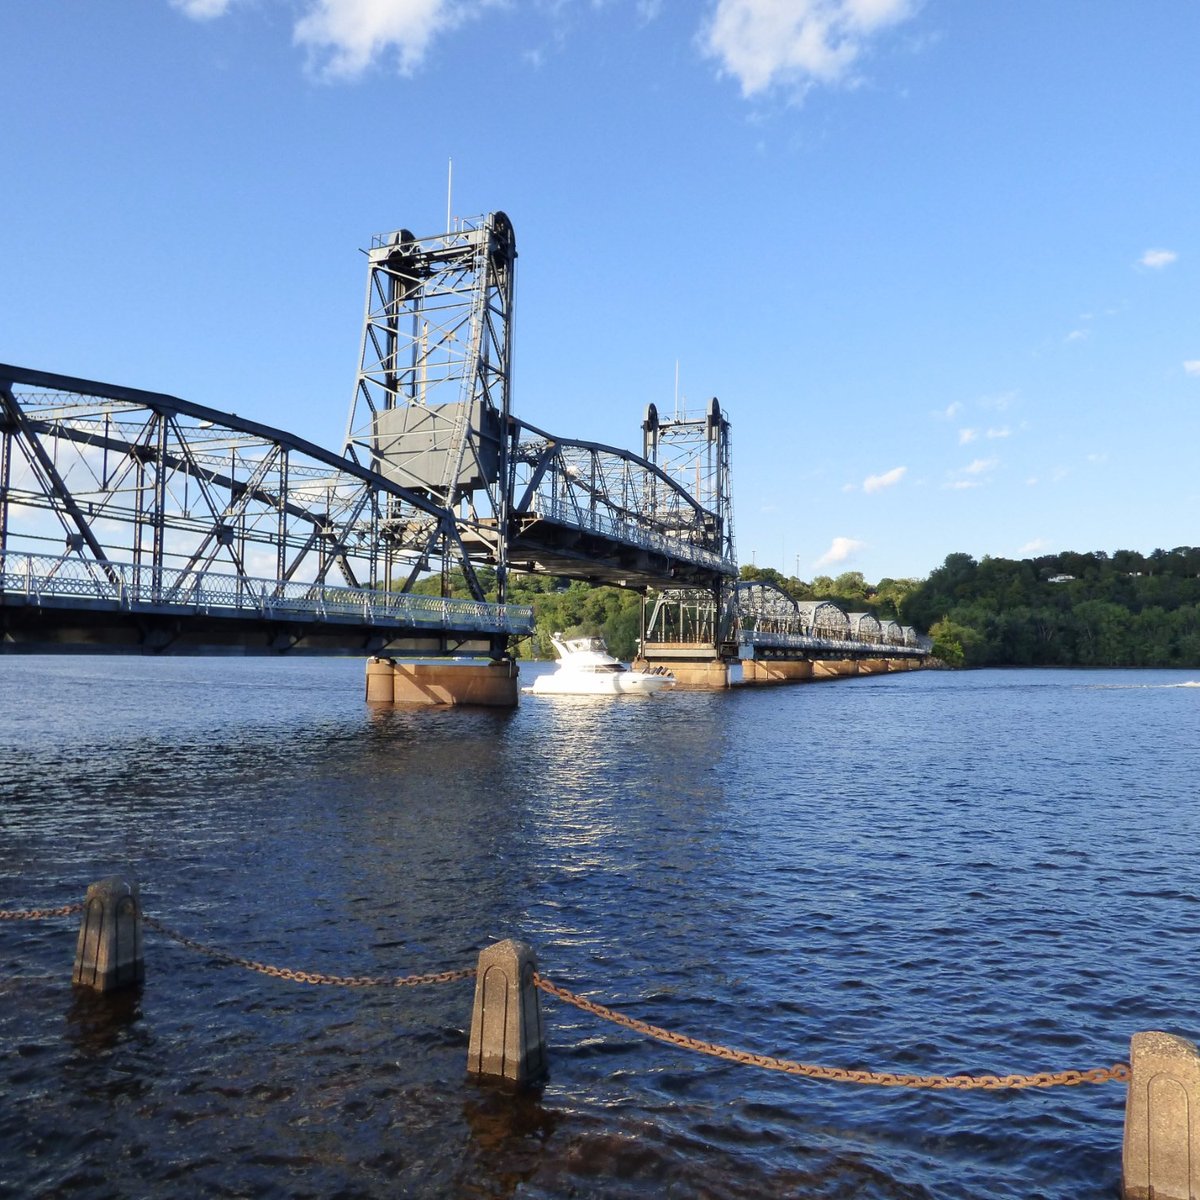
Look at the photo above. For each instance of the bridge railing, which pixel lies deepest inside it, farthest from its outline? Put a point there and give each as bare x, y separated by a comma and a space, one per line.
563, 512
36, 579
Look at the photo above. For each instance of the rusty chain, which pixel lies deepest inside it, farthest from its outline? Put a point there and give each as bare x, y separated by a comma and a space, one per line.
1117, 1073
316, 977
40, 914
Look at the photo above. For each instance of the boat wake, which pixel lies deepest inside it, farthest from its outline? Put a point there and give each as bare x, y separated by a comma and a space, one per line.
1148, 687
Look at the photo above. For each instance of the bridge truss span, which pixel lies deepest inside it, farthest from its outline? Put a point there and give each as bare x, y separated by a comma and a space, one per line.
146, 509
594, 511
753, 619
432, 411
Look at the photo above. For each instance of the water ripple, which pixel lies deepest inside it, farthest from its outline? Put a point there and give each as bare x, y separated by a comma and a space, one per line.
923, 873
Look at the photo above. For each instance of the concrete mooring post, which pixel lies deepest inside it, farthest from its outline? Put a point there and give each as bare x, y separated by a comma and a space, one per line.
1161, 1159
507, 1040
108, 954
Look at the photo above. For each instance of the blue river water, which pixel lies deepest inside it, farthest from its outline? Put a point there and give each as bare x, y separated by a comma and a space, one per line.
933, 872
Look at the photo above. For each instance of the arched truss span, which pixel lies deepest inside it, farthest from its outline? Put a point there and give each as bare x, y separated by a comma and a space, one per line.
763, 607
760, 614
564, 488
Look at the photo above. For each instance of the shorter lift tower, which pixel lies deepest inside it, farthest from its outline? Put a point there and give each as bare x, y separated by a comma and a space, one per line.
432, 400
695, 450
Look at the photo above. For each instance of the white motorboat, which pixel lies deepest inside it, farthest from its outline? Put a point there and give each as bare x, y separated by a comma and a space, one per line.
585, 668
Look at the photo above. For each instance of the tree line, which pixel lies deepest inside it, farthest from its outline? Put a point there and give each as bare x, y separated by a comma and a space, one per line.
559, 606
1087, 610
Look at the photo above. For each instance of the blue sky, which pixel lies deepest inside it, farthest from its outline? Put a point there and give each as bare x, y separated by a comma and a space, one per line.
938, 259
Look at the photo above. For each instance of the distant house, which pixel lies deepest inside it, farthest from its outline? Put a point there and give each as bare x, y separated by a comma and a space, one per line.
1060, 578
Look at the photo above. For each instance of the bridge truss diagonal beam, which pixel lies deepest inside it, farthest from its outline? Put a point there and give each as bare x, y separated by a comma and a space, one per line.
109, 481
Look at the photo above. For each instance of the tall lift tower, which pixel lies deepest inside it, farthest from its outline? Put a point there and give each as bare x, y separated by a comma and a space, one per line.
432, 399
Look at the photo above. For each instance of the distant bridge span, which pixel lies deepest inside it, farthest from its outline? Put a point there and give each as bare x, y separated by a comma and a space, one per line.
758, 623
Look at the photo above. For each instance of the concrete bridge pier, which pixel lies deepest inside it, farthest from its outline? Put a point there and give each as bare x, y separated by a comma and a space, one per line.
768, 670
491, 684
834, 668
694, 665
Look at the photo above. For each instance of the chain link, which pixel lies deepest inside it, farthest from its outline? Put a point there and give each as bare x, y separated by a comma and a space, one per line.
315, 977
40, 914
1117, 1073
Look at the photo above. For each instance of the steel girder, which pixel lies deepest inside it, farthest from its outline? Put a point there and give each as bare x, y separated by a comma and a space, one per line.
112, 475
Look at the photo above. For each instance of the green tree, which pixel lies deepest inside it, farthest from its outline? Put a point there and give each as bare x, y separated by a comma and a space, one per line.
952, 642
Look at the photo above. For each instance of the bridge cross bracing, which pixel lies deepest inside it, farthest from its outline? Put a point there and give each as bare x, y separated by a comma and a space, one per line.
135, 520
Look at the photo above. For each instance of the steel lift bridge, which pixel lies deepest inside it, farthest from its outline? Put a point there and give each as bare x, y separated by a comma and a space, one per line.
137, 521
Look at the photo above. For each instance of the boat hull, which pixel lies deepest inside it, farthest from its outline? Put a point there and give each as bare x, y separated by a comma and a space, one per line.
629, 683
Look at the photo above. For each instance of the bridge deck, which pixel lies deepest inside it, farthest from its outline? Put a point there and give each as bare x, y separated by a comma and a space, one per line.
606, 552
49, 603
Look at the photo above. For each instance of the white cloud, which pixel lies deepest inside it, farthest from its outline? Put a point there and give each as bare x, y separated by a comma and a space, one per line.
980, 466
1157, 259
1079, 335
1192, 366
1034, 547
840, 549
876, 483
201, 10
967, 436
799, 43
1000, 402
1001, 432
345, 37
969, 476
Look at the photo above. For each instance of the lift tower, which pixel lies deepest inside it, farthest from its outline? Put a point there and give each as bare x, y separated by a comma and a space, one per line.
431, 407
695, 450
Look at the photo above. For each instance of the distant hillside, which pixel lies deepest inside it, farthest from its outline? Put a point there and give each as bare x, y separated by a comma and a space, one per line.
1094, 610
